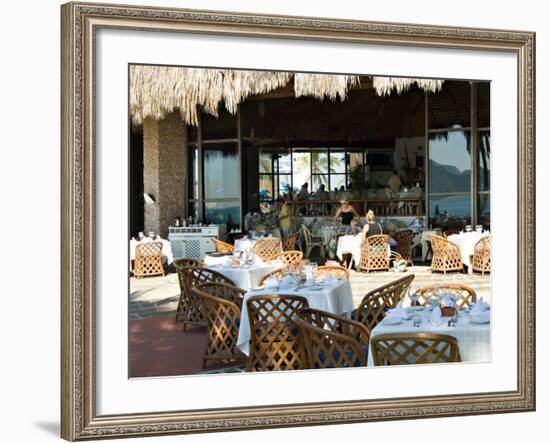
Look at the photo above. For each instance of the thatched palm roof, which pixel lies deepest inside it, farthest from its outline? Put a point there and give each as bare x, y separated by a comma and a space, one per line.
158, 90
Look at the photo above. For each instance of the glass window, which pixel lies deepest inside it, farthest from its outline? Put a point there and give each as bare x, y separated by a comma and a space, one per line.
285, 184
227, 213
221, 171
265, 191
484, 161
319, 161
445, 206
484, 209
284, 164
318, 180
354, 159
337, 161
484, 104
449, 162
193, 176
450, 108
301, 172
265, 163
337, 181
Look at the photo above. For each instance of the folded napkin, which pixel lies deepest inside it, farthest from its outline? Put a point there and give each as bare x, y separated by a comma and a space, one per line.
398, 312
435, 317
479, 307
271, 282
287, 282
448, 301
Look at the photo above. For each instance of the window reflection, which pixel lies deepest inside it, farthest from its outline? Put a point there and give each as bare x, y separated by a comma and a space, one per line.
450, 164
221, 164
223, 213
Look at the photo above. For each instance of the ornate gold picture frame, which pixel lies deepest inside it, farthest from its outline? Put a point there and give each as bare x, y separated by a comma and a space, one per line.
80, 22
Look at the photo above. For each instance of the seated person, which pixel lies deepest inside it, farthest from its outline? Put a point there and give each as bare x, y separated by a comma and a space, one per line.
304, 192
321, 192
354, 228
394, 182
374, 228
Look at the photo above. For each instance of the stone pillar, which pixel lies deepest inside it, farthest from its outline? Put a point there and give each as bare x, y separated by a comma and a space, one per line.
164, 171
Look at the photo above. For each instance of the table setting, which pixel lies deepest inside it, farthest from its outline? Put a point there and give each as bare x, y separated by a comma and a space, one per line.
329, 294
469, 325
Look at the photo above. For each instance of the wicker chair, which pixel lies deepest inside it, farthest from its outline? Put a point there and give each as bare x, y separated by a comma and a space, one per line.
148, 259
336, 271
222, 246
375, 303
375, 253
265, 248
404, 242
275, 342
332, 341
289, 257
189, 306
446, 255
482, 256
414, 348
310, 242
290, 244
188, 262
222, 305
277, 272
463, 293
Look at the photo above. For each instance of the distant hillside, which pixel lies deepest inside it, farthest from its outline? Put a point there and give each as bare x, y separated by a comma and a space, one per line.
447, 178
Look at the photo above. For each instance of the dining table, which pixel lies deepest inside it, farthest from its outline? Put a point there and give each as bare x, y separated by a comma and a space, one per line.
334, 296
243, 275
474, 339
350, 244
466, 242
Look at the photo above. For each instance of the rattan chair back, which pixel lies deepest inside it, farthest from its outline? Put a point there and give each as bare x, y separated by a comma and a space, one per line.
279, 273
335, 271
265, 248
148, 259
189, 307
482, 255
332, 341
289, 257
290, 243
446, 255
414, 348
188, 262
376, 303
222, 305
276, 343
463, 294
222, 246
375, 253
404, 242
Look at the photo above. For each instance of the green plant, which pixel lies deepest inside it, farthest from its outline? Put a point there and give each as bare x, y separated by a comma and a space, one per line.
358, 181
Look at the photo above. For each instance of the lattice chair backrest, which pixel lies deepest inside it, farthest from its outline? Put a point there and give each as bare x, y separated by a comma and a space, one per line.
414, 348
375, 252
188, 262
446, 254
265, 248
376, 303
190, 277
222, 306
290, 243
334, 271
404, 241
279, 273
275, 341
332, 341
482, 255
289, 257
148, 259
222, 246
462, 293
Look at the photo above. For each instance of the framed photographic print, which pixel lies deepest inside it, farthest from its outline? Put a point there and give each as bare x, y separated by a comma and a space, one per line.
283, 221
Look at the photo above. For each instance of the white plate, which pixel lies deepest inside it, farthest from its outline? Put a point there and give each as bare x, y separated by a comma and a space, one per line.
480, 319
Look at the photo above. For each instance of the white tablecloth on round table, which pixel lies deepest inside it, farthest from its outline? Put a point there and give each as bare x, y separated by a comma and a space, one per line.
466, 241
474, 340
166, 248
337, 299
350, 244
215, 260
246, 277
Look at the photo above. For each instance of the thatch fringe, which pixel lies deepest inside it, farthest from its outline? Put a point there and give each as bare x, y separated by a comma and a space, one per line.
157, 90
385, 85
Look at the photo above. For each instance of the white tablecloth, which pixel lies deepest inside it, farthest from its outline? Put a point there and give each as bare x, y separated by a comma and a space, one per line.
466, 241
350, 244
166, 248
246, 277
215, 260
337, 299
474, 340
